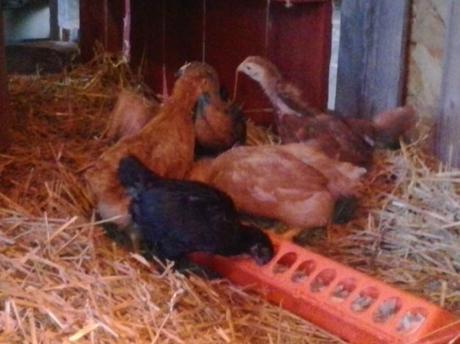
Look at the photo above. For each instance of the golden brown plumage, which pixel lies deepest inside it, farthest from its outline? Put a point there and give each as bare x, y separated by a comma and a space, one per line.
165, 145
283, 182
219, 124
130, 114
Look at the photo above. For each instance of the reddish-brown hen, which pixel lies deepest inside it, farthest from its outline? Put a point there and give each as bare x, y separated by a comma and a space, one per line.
219, 123
281, 182
130, 114
351, 140
165, 145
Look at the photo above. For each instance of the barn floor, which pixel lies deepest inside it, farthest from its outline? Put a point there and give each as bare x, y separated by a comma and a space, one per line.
63, 281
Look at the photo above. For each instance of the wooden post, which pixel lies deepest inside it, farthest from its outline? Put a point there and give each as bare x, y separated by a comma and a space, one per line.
448, 119
372, 56
6, 118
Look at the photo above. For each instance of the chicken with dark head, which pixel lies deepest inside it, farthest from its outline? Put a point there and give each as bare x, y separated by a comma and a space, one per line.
165, 145
177, 217
218, 125
346, 139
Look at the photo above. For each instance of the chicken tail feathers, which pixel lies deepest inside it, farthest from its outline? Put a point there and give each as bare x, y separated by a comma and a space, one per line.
344, 209
393, 124
134, 175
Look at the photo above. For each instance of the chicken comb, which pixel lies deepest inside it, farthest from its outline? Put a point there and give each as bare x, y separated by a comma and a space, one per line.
337, 298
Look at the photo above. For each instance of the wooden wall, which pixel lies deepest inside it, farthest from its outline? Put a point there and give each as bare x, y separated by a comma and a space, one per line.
448, 119
170, 32
101, 21
298, 42
372, 56
426, 52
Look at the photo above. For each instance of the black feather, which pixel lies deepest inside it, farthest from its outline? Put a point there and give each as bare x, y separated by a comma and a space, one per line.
180, 217
344, 209
134, 176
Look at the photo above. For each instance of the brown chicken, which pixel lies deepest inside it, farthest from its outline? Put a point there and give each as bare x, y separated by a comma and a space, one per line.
130, 114
351, 140
392, 124
281, 182
219, 123
165, 146
286, 98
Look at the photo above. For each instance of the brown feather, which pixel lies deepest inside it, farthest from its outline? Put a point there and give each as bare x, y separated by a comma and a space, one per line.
280, 182
165, 145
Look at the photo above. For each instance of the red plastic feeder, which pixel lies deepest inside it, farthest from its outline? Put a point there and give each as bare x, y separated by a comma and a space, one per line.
344, 302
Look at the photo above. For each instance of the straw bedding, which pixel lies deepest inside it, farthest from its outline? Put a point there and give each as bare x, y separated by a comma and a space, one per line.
63, 280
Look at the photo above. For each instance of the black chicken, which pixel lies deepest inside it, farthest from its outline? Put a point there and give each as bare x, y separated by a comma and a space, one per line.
178, 217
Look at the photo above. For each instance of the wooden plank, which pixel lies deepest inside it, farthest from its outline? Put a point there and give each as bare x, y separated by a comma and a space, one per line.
92, 26
115, 25
6, 118
372, 56
448, 119
234, 30
101, 21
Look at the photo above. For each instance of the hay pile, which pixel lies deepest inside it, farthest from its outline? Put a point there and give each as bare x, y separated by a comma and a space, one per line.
409, 233
62, 280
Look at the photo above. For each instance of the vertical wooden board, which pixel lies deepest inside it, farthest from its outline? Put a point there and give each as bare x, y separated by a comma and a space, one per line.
372, 56
191, 30
150, 48
101, 21
233, 31
236, 30
448, 119
114, 23
6, 118
178, 33
303, 57
92, 26
145, 38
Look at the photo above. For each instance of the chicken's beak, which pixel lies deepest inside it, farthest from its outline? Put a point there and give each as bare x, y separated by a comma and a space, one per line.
181, 70
240, 68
